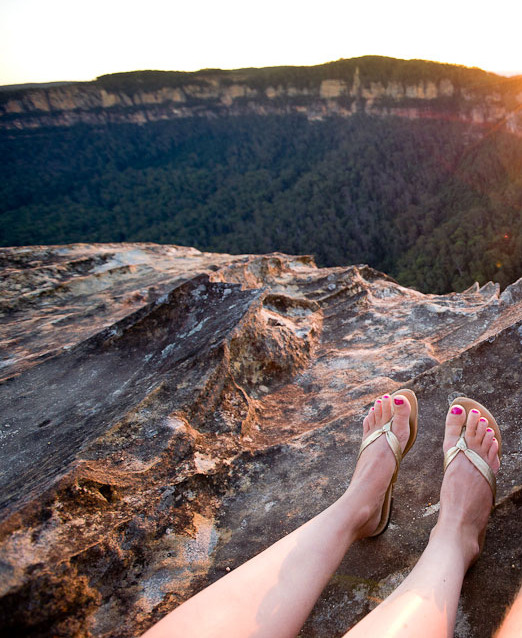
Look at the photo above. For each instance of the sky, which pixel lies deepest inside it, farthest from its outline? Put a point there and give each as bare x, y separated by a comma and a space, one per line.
63, 40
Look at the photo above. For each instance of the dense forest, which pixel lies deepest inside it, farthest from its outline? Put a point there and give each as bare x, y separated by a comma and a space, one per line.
436, 204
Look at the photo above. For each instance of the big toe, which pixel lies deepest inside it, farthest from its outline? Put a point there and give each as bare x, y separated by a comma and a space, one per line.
455, 421
401, 418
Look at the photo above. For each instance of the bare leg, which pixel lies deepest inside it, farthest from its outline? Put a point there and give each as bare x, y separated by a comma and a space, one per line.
425, 604
512, 624
272, 594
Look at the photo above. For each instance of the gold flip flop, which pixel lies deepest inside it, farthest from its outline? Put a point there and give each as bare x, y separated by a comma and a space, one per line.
394, 444
461, 445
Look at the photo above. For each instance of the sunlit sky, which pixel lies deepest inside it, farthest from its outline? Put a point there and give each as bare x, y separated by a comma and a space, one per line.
55, 40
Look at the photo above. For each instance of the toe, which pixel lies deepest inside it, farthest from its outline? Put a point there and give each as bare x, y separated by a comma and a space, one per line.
386, 408
492, 456
489, 449
378, 411
455, 421
482, 427
487, 439
369, 422
401, 407
401, 418
472, 423
480, 430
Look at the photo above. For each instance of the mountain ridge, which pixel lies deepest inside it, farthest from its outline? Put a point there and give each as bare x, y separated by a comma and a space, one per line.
371, 84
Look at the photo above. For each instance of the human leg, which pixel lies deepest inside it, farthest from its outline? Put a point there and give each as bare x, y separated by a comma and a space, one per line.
272, 594
425, 604
511, 626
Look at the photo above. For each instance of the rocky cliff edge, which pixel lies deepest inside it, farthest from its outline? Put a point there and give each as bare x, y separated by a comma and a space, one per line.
167, 413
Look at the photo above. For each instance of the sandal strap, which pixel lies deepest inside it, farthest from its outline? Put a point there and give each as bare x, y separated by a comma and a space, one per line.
393, 442
476, 459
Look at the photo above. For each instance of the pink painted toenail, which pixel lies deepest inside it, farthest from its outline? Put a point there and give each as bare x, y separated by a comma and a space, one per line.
483, 419
378, 401
489, 429
386, 396
475, 411
456, 410
372, 408
398, 401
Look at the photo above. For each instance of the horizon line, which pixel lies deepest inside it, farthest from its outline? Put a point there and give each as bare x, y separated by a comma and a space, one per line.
28, 84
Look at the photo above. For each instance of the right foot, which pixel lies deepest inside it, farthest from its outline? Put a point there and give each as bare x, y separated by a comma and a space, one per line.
466, 497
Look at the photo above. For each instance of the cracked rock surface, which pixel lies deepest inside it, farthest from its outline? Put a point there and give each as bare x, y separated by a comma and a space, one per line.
165, 414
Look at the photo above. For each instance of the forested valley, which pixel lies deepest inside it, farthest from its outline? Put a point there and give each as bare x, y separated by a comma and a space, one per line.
436, 204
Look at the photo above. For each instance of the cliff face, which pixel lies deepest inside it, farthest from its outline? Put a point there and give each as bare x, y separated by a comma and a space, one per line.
433, 90
168, 413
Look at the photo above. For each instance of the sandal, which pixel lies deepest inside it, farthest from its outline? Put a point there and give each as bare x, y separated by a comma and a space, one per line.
462, 446
394, 444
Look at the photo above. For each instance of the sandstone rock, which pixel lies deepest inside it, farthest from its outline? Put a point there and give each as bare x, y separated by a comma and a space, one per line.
332, 88
324, 92
167, 413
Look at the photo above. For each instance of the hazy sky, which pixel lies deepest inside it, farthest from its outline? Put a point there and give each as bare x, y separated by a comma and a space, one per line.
51, 40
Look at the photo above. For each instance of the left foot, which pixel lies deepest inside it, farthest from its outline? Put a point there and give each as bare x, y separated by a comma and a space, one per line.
376, 464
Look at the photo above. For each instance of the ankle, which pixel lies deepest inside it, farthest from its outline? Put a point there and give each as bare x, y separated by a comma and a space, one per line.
345, 518
459, 537
362, 515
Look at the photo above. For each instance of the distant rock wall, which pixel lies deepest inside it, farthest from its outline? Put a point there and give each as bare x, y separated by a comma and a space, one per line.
91, 103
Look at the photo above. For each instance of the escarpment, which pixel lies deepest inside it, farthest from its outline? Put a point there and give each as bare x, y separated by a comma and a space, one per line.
372, 84
168, 413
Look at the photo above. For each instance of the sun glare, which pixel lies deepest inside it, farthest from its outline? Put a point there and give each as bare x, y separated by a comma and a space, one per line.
60, 40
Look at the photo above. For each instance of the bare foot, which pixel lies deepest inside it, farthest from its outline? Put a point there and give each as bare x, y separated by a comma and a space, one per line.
376, 464
466, 497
